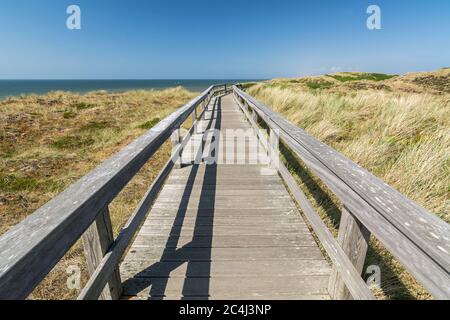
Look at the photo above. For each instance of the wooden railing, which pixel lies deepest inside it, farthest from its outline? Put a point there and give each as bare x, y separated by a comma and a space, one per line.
30, 250
417, 238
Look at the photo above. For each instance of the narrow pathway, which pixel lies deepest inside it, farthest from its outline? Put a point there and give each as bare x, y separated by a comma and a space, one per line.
226, 227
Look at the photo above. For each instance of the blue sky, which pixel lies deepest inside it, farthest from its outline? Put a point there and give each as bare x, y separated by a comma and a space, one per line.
167, 39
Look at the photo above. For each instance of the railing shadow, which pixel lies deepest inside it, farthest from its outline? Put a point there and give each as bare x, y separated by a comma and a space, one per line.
157, 275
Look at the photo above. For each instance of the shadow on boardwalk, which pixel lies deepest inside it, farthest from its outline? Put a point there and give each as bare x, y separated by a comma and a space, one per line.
157, 275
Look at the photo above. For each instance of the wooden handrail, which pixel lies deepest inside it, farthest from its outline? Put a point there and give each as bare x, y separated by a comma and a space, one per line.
417, 238
29, 250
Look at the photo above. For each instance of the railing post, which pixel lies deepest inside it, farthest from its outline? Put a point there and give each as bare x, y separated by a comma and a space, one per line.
255, 116
274, 148
96, 242
176, 141
205, 106
194, 119
354, 238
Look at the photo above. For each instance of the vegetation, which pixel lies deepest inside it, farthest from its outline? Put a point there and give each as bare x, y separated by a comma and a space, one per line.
350, 76
397, 128
48, 142
149, 124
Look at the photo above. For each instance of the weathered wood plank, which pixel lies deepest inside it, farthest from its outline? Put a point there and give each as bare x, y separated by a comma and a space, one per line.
220, 221
226, 212
259, 268
219, 286
224, 254
354, 240
97, 240
242, 297
227, 241
222, 231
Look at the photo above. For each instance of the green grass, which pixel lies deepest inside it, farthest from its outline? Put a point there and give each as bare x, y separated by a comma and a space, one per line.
69, 114
83, 105
363, 76
73, 142
317, 85
13, 183
149, 124
96, 125
7, 152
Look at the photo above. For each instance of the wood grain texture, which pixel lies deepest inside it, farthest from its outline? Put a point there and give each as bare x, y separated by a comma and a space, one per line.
354, 239
97, 240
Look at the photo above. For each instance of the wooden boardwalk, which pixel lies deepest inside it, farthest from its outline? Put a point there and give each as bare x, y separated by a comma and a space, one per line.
221, 222
224, 230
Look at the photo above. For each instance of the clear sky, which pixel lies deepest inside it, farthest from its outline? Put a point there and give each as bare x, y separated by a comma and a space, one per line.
192, 39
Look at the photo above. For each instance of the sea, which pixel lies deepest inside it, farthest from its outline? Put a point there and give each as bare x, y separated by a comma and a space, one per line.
11, 88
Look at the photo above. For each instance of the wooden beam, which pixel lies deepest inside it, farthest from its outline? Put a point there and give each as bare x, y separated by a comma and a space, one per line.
274, 148
176, 139
97, 240
354, 240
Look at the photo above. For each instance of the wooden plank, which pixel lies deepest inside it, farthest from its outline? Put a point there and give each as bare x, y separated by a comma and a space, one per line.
416, 237
97, 240
354, 240
227, 241
205, 203
220, 221
232, 269
226, 212
242, 297
219, 286
224, 254
234, 193
222, 231
176, 140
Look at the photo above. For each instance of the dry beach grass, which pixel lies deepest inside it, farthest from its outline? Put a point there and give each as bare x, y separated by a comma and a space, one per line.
48, 142
396, 127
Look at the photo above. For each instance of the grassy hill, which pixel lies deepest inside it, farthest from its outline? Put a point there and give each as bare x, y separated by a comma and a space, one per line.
398, 127
48, 142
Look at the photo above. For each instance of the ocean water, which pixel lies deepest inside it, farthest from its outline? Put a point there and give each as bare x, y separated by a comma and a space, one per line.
10, 88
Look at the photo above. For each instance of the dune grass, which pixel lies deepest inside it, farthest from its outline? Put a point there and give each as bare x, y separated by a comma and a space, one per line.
401, 137
48, 142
